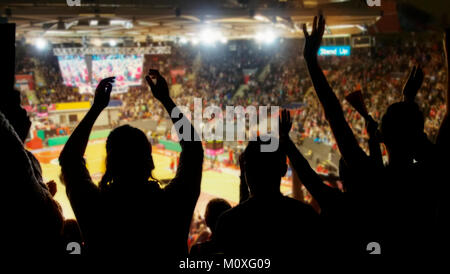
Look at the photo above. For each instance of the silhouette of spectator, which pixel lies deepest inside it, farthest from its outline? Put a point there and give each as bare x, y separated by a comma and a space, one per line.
253, 226
32, 219
213, 211
130, 213
394, 214
336, 208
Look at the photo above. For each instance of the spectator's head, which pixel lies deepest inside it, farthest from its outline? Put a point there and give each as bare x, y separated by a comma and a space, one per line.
16, 115
402, 129
128, 156
263, 170
214, 209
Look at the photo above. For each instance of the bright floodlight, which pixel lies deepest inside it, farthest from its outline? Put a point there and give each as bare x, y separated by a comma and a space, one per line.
194, 41
41, 43
210, 37
207, 36
183, 40
266, 37
112, 43
270, 37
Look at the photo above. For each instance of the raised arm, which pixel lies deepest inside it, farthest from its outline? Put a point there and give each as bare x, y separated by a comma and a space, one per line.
83, 194
77, 143
443, 137
309, 178
413, 84
346, 141
357, 102
374, 141
189, 171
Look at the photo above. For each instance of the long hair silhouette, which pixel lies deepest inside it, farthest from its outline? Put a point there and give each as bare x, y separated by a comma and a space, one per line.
128, 154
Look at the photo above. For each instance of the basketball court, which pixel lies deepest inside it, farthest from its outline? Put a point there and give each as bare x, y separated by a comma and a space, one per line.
220, 181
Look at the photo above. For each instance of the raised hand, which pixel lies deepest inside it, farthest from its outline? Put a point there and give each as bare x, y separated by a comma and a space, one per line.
159, 89
372, 127
285, 124
313, 40
413, 84
103, 93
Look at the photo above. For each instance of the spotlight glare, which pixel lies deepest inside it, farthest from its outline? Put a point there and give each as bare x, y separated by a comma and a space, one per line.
41, 43
270, 37
210, 37
261, 18
266, 37
183, 40
207, 37
112, 43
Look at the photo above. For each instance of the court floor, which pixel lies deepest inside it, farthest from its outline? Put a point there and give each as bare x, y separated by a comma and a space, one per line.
220, 181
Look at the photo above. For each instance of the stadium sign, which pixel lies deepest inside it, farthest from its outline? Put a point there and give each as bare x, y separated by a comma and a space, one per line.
157, 50
334, 51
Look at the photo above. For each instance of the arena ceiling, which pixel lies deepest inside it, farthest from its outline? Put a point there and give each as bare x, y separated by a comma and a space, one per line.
161, 20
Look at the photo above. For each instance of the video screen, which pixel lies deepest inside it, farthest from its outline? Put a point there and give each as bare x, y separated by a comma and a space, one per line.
74, 72
127, 68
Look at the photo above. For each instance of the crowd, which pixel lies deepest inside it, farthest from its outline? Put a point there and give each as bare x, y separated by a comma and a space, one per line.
275, 76
130, 214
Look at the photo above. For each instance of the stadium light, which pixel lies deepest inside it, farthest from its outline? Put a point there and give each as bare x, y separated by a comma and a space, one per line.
97, 42
93, 23
183, 40
112, 43
269, 37
41, 43
223, 40
261, 18
124, 23
362, 28
266, 37
210, 37
341, 26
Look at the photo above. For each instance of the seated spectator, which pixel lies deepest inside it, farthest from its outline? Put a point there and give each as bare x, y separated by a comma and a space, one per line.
214, 209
